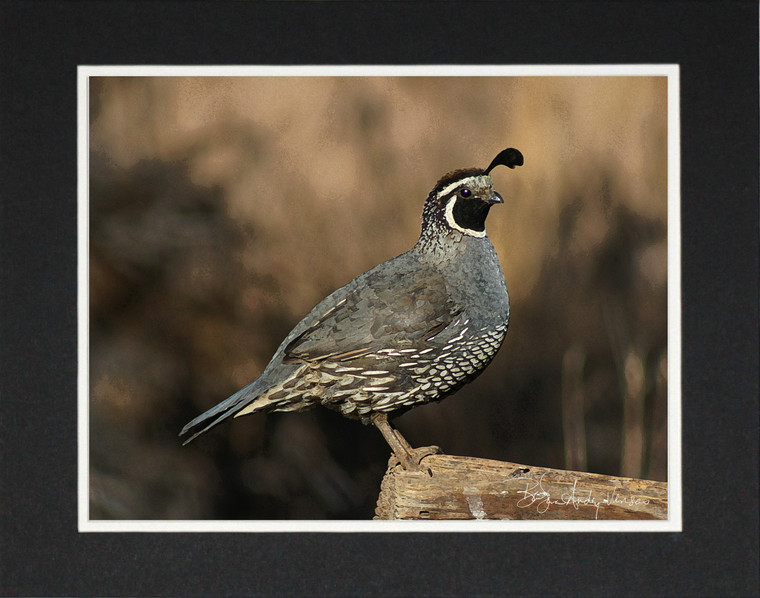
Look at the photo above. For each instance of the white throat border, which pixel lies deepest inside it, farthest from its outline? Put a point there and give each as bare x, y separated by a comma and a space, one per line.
452, 223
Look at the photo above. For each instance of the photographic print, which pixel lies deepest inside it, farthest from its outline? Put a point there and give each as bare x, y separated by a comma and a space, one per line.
222, 209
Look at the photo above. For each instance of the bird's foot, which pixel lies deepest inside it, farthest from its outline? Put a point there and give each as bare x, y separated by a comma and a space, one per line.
420, 453
411, 459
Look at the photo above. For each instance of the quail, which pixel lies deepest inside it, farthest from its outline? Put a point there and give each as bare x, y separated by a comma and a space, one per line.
409, 331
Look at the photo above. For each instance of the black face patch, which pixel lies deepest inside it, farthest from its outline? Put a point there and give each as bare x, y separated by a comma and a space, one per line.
470, 214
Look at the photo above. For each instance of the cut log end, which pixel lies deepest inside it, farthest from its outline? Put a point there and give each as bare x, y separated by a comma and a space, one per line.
454, 487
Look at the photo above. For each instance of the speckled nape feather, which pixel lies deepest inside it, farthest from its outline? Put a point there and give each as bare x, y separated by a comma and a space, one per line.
409, 331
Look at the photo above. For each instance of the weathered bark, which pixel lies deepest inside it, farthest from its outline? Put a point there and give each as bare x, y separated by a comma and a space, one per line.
469, 488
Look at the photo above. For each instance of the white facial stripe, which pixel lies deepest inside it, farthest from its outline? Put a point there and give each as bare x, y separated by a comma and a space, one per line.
454, 225
481, 180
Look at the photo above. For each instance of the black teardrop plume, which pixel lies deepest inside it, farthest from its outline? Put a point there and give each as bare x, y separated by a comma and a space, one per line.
508, 157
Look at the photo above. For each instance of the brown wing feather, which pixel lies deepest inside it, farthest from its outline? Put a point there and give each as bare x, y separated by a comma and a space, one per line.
389, 311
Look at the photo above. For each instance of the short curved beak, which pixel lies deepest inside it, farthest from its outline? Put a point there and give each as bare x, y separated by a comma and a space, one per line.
495, 198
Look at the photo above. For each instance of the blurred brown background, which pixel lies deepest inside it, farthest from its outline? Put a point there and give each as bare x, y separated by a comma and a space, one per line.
223, 209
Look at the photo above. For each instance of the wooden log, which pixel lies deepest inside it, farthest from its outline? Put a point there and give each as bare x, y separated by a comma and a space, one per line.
468, 488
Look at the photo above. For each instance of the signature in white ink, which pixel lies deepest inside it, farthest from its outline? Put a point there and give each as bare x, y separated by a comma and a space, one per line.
535, 494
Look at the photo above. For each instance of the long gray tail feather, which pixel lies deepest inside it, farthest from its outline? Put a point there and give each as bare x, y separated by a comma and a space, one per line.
217, 414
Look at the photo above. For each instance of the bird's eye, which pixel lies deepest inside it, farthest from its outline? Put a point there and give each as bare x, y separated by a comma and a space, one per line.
465, 193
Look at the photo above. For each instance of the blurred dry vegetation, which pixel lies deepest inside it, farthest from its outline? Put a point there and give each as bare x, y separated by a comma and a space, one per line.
223, 209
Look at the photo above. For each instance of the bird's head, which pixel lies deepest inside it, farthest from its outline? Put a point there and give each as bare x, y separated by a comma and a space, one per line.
461, 199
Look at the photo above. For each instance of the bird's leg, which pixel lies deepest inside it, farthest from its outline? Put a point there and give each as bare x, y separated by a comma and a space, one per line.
410, 458
402, 450
418, 454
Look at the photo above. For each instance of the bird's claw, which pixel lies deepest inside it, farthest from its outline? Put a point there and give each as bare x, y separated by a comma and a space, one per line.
412, 460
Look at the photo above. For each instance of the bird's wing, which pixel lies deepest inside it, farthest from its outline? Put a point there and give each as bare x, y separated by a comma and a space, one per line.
390, 308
